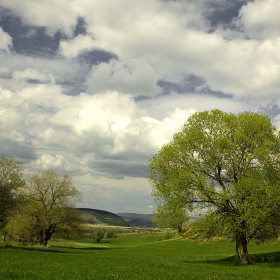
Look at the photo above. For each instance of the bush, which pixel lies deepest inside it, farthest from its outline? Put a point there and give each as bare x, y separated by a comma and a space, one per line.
98, 234
168, 235
110, 234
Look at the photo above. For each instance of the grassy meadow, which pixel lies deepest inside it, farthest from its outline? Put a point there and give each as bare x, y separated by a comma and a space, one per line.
138, 255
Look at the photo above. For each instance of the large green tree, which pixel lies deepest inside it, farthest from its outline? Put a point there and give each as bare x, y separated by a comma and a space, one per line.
11, 178
224, 163
48, 206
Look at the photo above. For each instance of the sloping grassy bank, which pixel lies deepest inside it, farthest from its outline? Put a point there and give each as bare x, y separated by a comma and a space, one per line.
138, 256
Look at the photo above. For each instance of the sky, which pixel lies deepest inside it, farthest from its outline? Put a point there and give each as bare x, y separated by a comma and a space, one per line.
95, 88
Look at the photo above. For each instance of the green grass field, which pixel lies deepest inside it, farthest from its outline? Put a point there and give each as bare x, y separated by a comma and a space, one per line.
138, 256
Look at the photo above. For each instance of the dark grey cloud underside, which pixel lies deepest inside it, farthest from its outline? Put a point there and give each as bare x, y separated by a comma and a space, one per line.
22, 151
81, 27
218, 13
190, 84
76, 84
34, 41
95, 57
29, 40
120, 169
271, 109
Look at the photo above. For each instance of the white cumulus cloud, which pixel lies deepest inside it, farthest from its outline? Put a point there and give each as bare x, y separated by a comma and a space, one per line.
80, 43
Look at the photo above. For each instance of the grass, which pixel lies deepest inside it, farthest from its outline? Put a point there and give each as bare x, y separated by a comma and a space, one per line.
138, 256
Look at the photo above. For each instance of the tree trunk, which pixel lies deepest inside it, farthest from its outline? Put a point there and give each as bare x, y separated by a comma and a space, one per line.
241, 248
47, 235
45, 242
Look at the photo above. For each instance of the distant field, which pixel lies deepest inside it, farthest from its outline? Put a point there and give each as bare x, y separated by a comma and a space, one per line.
138, 256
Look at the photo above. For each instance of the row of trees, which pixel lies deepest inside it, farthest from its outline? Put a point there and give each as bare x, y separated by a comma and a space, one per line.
34, 207
225, 167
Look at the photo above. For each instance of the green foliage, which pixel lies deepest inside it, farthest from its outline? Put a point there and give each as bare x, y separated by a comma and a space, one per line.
170, 216
11, 179
110, 233
168, 235
224, 162
48, 207
209, 227
98, 234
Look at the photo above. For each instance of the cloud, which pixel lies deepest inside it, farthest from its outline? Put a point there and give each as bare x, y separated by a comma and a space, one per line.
31, 74
101, 112
14, 138
40, 13
173, 30
161, 132
221, 12
74, 47
150, 120
122, 130
22, 150
5, 41
260, 19
18, 71
53, 162
105, 132
95, 88
108, 133
136, 77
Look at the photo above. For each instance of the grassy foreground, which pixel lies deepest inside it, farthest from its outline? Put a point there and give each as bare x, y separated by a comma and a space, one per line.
138, 256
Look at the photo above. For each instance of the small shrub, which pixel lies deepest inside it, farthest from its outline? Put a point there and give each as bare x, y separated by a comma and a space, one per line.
110, 234
98, 234
168, 235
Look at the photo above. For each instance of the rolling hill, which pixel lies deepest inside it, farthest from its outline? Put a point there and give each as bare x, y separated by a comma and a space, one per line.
94, 216
137, 220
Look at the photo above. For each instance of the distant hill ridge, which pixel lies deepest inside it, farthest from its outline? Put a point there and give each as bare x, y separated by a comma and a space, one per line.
137, 220
102, 217
95, 216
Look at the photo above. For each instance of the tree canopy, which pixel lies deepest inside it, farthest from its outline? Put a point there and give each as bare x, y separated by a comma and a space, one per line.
226, 164
48, 206
11, 178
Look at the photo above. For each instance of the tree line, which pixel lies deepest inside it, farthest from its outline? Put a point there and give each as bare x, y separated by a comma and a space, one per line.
34, 207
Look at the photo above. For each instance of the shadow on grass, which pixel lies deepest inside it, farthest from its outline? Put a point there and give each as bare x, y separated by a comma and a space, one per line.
86, 248
60, 249
38, 249
271, 259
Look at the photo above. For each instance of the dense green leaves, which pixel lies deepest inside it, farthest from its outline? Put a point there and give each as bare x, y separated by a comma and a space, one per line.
11, 178
224, 162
